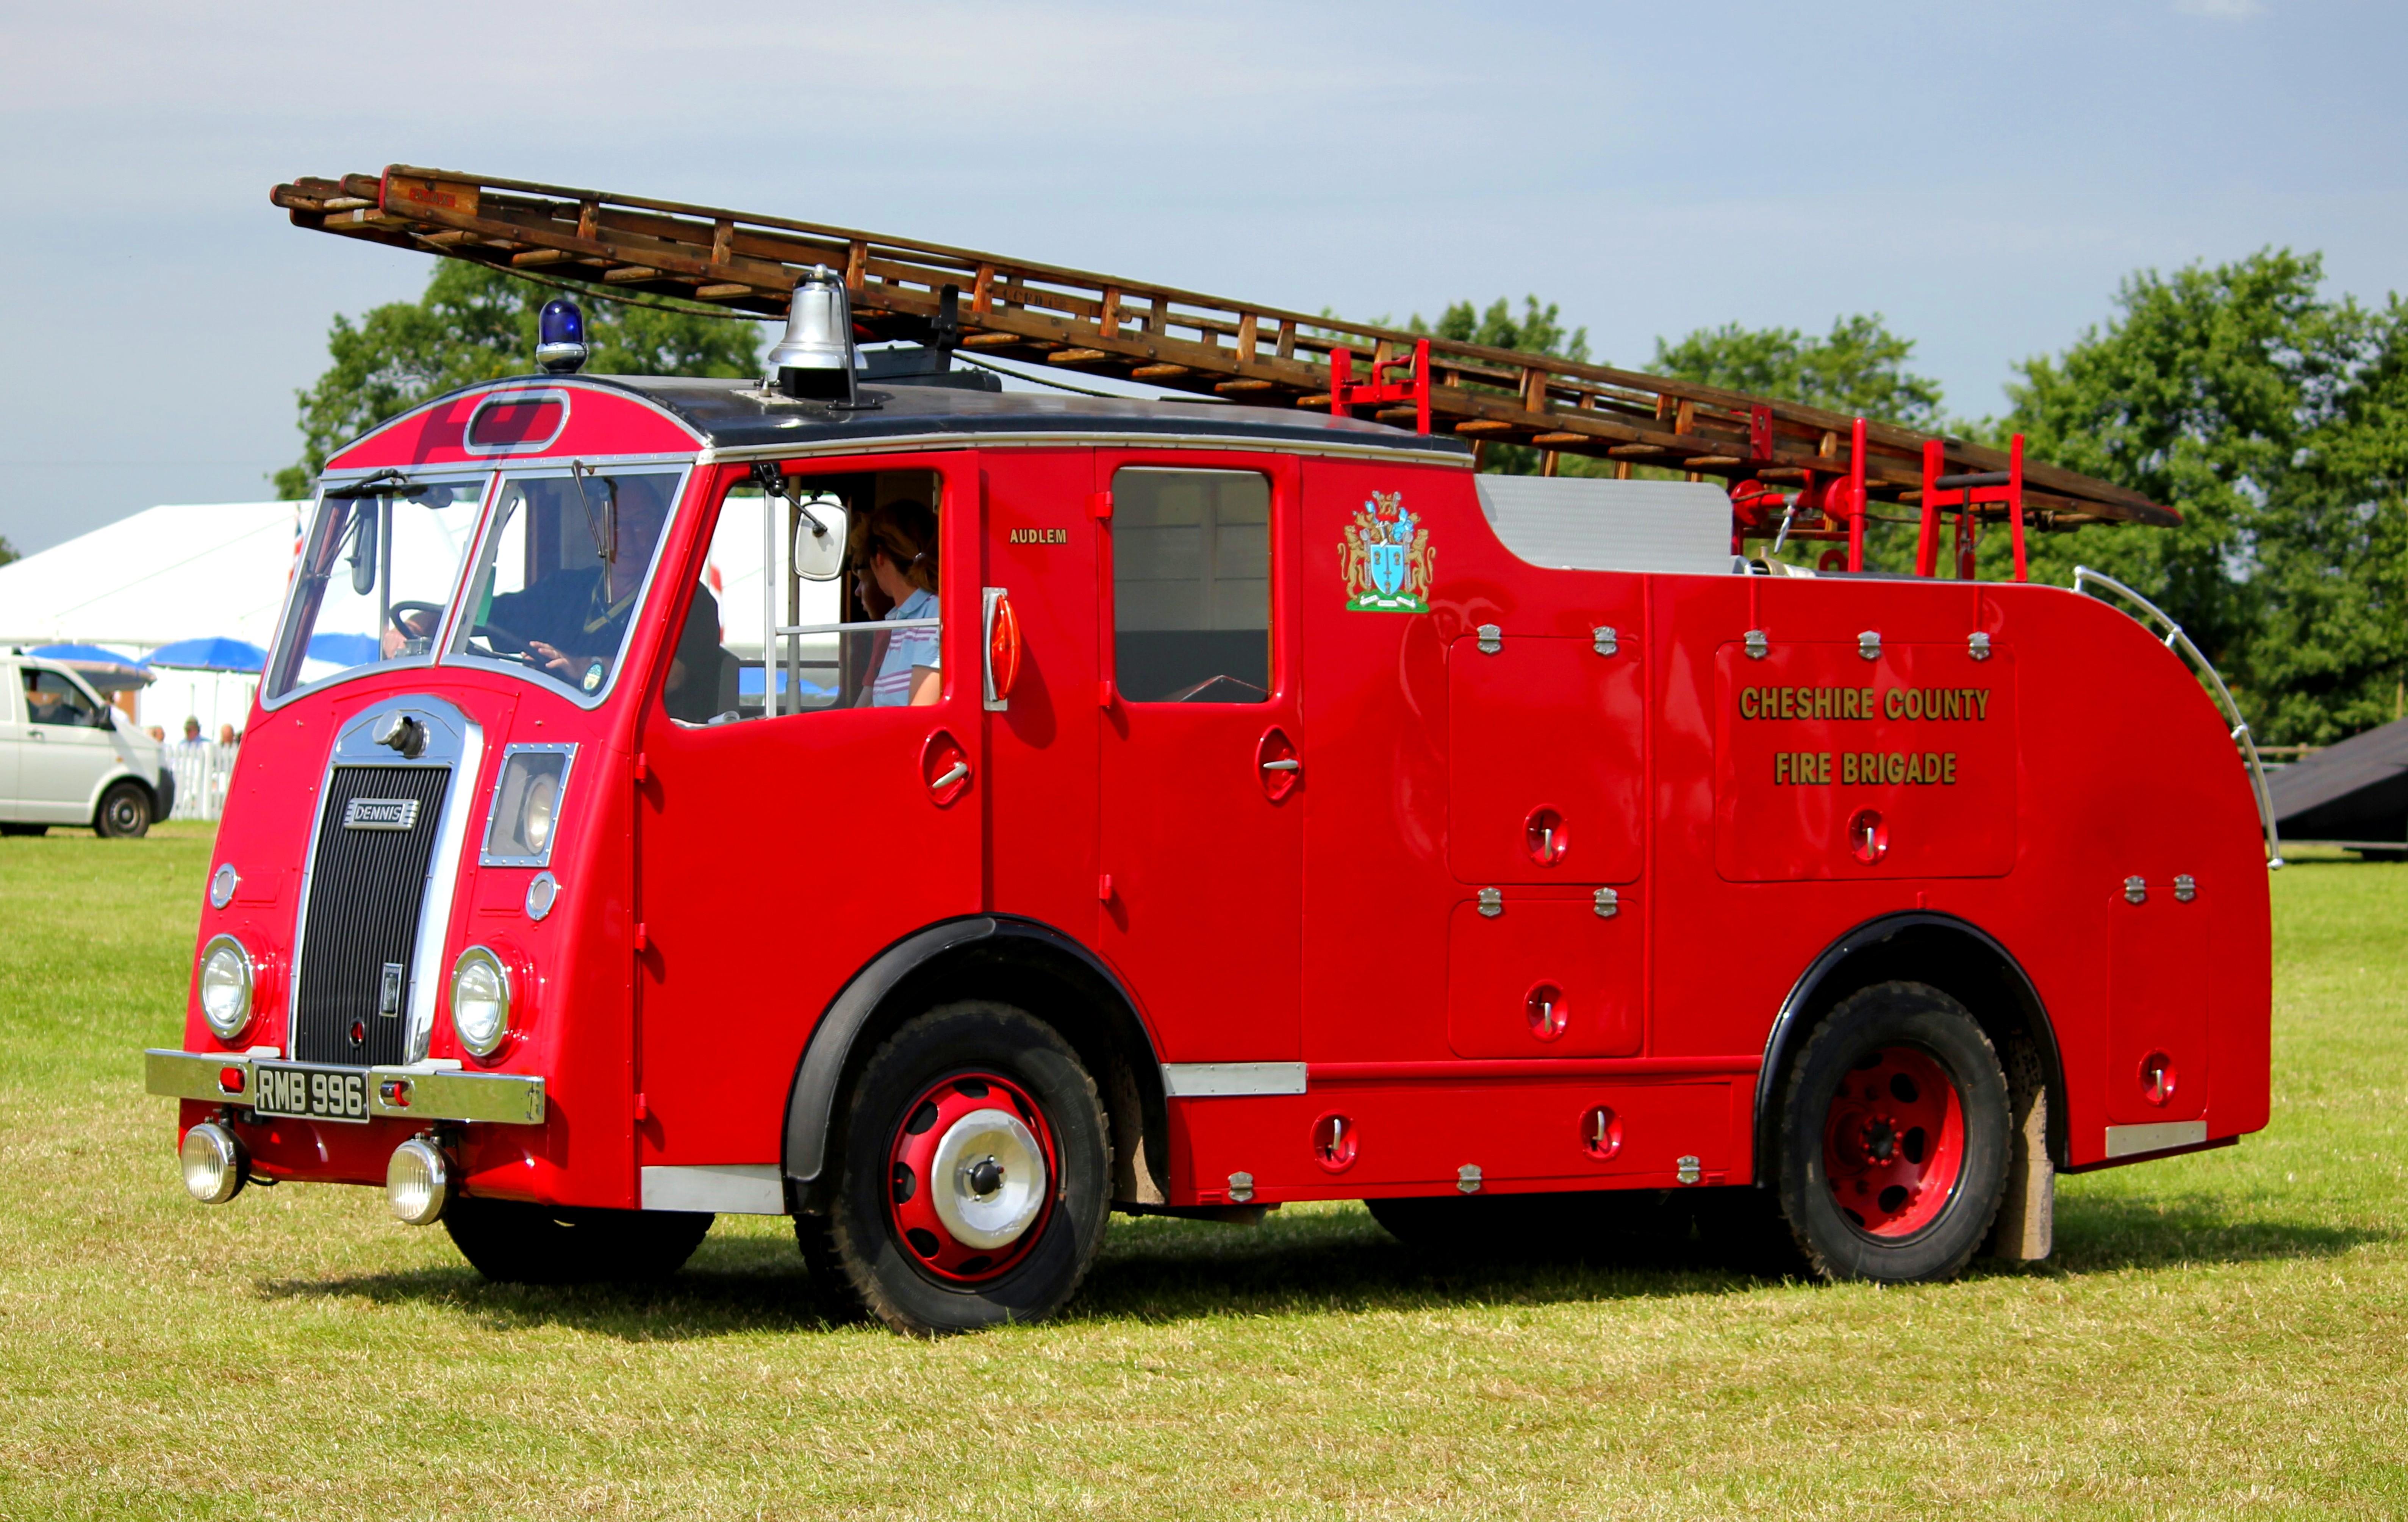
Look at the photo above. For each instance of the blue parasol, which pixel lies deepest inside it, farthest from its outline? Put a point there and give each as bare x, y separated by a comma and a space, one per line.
216, 654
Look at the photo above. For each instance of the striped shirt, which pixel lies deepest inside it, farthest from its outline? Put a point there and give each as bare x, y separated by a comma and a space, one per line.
906, 648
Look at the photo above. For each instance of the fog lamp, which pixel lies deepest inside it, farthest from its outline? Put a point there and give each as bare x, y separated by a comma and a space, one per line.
418, 1182
480, 1000
215, 1166
225, 987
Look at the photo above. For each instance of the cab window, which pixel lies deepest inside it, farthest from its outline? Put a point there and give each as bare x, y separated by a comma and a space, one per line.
1191, 586
827, 591
51, 698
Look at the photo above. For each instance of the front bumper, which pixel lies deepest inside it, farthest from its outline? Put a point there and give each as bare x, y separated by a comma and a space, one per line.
420, 1091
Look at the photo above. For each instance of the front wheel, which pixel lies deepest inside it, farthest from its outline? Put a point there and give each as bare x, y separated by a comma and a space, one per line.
1893, 1144
124, 812
972, 1169
512, 1242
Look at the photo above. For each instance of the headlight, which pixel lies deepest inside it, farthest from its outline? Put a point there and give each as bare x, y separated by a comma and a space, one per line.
526, 806
480, 1000
225, 987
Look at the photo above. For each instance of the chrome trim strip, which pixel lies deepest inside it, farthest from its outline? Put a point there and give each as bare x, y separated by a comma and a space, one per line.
914, 443
728, 1189
1230, 1080
427, 1090
2134, 1141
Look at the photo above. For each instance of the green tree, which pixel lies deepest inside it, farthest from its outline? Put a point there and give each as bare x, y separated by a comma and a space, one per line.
2276, 421
1539, 330
477, 323
7, 551
1859, 369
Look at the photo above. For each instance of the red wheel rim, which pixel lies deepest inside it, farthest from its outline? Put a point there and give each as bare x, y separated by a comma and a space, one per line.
1894, 1142
971, 1174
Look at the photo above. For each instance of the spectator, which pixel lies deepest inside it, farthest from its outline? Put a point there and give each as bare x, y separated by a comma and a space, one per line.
193, 733
227, 738
158, 734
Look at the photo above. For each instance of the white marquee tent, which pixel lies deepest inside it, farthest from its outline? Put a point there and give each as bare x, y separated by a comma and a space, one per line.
165, 574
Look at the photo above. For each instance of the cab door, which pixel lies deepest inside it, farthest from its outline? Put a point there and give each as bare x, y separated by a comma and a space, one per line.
1203, 757
787, 841
69, 747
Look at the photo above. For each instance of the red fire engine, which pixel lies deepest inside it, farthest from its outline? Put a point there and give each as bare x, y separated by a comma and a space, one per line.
947, 816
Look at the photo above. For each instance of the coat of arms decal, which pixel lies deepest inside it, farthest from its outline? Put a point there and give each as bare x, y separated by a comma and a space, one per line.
1387, 559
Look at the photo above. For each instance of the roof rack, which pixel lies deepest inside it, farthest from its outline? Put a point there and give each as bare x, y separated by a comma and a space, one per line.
1073, 319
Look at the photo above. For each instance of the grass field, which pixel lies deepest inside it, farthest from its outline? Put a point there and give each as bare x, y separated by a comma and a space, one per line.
2223, 1335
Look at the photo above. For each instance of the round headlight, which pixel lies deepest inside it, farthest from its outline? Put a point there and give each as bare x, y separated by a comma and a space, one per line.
480, 1000
225, 987
535, 815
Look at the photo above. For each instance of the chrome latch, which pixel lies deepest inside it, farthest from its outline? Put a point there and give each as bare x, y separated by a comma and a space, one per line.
1492, 639
1757, 647
1492, 902
2135, 891
2186, 888
1242, 1187
1609, 903
1466, 1178
1608, 643
1977, 645
1869, 644
1689, 1170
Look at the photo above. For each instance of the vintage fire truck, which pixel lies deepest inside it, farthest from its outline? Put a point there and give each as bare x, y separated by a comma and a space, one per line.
947, 816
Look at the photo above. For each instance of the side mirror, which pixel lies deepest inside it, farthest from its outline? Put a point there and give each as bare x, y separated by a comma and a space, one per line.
364, 546
819, 531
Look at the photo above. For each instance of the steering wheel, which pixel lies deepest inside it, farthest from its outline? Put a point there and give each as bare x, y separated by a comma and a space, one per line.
502, 639
413, 643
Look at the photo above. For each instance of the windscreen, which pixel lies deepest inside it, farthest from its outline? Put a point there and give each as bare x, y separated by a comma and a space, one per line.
565, 567
376, 575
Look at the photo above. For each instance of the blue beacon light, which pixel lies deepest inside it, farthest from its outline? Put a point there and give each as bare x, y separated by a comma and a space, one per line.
560, 336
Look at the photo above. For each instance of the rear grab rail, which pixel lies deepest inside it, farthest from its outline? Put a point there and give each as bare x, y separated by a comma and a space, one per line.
2179, 642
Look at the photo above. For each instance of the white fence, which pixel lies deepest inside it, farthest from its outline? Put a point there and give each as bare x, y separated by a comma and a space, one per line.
202, 770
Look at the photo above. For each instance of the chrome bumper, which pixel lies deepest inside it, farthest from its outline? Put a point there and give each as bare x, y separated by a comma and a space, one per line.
420, 1091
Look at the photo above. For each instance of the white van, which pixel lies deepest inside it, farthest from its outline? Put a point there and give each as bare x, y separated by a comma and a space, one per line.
67, 758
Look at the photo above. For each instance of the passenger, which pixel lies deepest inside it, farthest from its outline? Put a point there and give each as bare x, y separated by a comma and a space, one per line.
903, 567
874, 605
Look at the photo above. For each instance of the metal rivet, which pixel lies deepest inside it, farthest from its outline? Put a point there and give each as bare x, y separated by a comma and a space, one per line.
1492, 639
1492, 902
1609, 903
1869, 644
2136, 891
1607, 641
2186, 888
1242, 1187
1466, 1178
1689, 1170
1757, 645
1978, 646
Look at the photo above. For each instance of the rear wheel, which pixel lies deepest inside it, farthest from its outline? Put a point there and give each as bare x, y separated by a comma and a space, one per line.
971, 1170
124, 812
517, 1244
1894, 1135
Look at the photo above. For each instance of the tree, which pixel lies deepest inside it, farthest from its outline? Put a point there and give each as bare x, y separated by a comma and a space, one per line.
7, 551
1859, 369
477, 323
2276, 421
1540, 330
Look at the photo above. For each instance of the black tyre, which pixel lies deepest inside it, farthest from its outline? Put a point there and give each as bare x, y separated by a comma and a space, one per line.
124, 812
1893, 1136
971, 1170
516, 1244
24, 830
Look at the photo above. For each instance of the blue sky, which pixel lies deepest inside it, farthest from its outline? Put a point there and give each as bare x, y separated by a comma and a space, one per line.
1983, 175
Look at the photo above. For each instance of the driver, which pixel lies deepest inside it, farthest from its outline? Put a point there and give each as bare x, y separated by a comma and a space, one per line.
574, 622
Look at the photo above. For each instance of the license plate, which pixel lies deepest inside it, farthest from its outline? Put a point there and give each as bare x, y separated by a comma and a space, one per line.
280, 1088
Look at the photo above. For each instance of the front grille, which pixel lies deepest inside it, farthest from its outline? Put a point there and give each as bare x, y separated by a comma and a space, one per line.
366, 887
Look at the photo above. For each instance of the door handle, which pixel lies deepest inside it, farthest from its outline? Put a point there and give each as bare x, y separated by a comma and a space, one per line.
1291, 764
961, 769
1277, 764
945, 767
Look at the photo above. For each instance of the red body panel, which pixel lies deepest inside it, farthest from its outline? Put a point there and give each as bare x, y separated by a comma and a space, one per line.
721, 885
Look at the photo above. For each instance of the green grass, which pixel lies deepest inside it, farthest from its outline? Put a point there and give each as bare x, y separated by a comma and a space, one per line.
2223, 1335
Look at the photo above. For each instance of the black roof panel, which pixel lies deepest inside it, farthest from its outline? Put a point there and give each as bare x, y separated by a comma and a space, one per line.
735, 414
